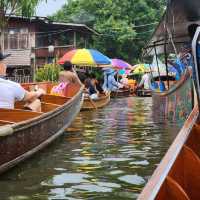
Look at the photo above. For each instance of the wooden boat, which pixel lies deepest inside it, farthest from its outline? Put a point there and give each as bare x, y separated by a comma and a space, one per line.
144, 93
178, 175
23, 132
176, 103
120, 93
89, 104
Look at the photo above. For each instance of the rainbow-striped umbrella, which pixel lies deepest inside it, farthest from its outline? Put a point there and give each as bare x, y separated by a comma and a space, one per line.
85, 57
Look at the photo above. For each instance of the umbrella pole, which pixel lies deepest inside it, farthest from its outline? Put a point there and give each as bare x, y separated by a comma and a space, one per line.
165, 49
157, 61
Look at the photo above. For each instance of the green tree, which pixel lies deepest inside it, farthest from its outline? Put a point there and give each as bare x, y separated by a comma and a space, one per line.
120, 23
24, 8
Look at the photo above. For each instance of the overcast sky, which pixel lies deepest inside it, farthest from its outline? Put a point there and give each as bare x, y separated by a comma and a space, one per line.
50, 7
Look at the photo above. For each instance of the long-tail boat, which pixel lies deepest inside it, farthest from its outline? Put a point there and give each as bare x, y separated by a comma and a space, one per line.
23, 133
89, 104
178, 175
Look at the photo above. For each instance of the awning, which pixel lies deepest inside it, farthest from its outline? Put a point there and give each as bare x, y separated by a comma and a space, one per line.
178, 16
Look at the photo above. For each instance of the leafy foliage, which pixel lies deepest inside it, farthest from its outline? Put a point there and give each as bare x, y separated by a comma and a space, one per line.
16, 7
49, 72
120, 23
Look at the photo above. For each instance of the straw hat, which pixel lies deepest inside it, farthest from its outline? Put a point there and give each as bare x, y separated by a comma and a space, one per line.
147, 70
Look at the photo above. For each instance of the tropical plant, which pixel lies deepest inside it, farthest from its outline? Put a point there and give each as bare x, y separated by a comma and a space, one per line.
49, 72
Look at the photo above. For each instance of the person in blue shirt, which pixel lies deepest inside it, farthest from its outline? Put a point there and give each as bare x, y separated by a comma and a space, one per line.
110, 83
191, 32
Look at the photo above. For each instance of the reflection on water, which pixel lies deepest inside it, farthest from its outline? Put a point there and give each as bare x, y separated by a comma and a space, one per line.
107, 154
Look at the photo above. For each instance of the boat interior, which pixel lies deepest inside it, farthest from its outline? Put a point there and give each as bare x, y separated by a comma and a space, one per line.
48, 103
182, 181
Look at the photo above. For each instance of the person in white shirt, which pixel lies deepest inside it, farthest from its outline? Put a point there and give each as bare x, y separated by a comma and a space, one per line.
11, 92
146, 81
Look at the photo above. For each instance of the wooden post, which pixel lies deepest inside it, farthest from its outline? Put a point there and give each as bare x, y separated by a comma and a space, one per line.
74, 39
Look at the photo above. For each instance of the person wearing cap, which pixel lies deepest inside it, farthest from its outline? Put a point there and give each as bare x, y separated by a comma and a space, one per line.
12, 91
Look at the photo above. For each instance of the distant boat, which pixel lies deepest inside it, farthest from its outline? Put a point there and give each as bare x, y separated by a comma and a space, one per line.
89, 104
23, 133
121, 93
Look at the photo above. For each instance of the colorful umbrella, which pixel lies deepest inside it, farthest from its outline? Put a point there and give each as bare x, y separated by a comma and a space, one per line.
123, 71
120, 64
85, 57
140, 68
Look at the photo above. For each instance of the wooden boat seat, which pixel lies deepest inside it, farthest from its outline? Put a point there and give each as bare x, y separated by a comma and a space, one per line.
183, 179
3, 122
193, 138
17, 115
71, 90
46, 107
59, 100
46, 86
173, 190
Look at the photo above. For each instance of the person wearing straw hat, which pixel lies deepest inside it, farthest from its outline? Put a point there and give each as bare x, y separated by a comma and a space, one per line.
11, 92
146, 80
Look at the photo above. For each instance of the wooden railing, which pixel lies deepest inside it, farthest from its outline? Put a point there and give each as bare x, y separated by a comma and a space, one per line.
20, 79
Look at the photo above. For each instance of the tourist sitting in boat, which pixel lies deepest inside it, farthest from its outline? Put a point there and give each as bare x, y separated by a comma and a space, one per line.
69, 75
96, 83
90, 89
11, 92
66, 77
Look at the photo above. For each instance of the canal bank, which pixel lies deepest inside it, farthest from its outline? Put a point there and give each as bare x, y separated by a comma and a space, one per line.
107, 154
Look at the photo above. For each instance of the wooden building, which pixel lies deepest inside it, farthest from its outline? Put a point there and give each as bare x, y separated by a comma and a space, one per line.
28, 41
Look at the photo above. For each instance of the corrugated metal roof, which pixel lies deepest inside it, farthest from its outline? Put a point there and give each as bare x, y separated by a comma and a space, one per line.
18, 57
178, 17
50, 22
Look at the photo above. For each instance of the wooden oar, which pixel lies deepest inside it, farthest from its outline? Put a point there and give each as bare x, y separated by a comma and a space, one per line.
92, 102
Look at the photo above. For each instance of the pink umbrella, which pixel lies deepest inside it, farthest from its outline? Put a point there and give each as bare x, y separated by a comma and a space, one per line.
120, 64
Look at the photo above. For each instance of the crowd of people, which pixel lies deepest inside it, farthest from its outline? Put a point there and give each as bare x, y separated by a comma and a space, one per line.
11, 91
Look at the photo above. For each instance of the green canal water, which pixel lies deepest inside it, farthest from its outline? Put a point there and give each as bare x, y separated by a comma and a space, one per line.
107, 154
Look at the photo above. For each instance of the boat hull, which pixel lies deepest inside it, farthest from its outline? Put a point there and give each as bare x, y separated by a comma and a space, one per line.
144, 93
176, 103
30, 136
120, 93
94, 104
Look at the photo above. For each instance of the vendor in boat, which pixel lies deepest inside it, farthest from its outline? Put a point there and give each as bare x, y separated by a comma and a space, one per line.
69, 75
110, 83
145, 82
124, 81
11, 92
